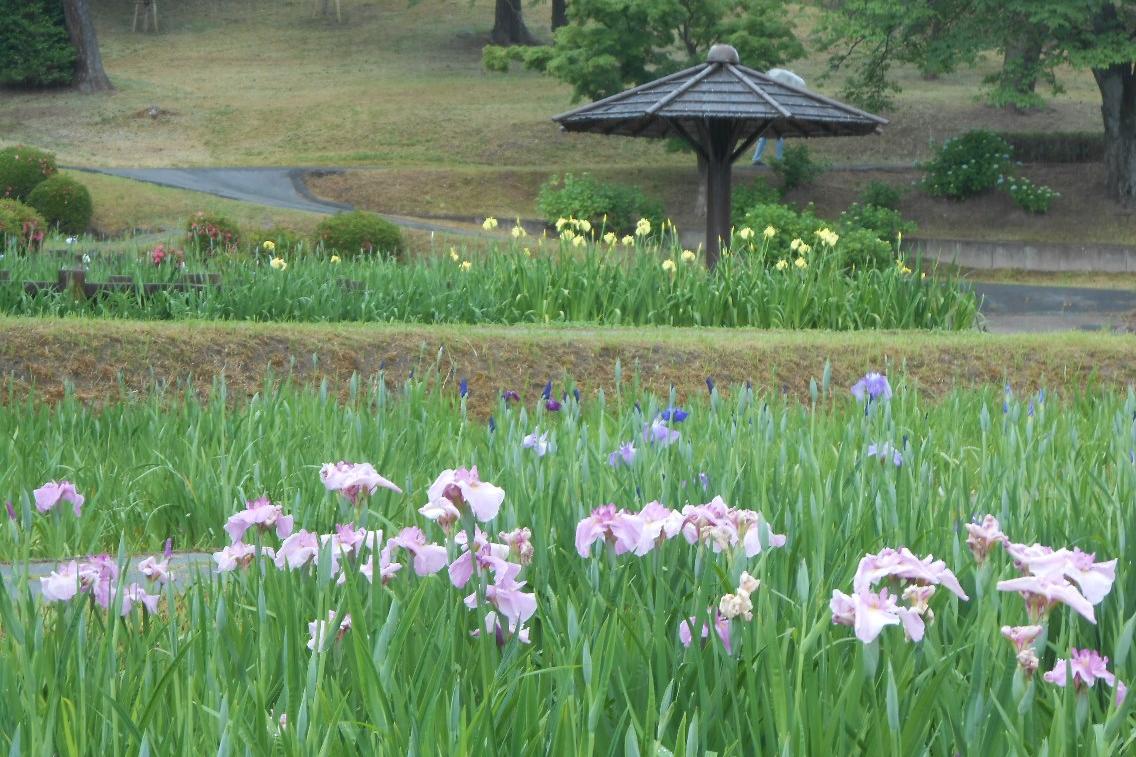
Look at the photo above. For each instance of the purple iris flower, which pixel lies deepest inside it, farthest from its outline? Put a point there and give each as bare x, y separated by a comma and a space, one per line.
873, 386
463, 388
674, 415
1029, 410
168, 548
552, 406
492, 424
576, 394
11, 510
705, 481
510, 396
883, 451
625, 454
710, 384
659, 433
547, 393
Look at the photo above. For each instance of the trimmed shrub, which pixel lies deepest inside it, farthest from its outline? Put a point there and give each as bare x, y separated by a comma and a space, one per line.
796, 168
856, 246
967, 165
22, 168
360, 233
64, 203
882, 195
885, 223
20, 225
35, 49
1030, 197
607, 206
1056, 147
212, 233
747, 196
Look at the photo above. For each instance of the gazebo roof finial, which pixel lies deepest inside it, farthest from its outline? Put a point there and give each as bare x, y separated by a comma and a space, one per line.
723, 54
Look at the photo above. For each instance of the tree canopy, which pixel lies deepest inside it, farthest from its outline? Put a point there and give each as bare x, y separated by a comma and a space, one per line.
609, 45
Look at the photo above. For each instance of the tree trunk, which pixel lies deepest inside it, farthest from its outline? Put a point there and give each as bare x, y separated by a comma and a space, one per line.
1117, 86
1020, 66
559, 14
89, 73
509, 25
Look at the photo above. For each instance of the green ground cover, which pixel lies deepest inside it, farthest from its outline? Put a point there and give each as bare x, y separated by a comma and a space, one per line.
604, 668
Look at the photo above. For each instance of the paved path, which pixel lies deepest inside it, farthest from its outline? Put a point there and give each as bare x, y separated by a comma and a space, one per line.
1025, 307
184, 566
274, 187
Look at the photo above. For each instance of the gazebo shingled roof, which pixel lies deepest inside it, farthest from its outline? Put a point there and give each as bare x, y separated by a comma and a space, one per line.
719, 108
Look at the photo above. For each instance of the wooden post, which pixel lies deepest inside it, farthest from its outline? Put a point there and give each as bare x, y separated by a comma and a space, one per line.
719, 146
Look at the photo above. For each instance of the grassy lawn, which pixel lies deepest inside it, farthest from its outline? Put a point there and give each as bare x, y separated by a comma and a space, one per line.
101, 359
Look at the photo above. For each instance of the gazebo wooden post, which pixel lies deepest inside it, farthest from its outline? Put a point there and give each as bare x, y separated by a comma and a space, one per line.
719, 145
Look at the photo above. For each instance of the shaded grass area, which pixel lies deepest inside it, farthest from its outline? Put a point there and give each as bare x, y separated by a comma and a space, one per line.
102, 360
402, 84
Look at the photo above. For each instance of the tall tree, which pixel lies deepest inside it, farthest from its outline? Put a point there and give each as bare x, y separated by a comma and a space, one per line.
559, 14
608, 45
509, 25
89, 73
1038, 35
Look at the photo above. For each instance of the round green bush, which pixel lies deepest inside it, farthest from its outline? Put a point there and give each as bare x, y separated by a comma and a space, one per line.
359, 232
608, 207
212, 233
64, 203
20, 225
22, 169
967, 165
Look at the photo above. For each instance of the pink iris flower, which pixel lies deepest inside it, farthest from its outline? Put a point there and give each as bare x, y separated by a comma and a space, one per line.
61, 584
353, 480
1042, 593
506, 596
428, 558
658, 523
723, 527
155, 570
298, 550
1088, 667
262, 514
52, 493
1022, 637
493, 626
1095, 579
868, 613
239, 555
485, 555
721, 628
519, 542
903, 564
320, 636
135, 594
99, 576
387, 569
455, 490
983, 537
621, 529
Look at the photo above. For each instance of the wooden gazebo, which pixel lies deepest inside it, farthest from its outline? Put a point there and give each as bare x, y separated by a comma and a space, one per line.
719, 108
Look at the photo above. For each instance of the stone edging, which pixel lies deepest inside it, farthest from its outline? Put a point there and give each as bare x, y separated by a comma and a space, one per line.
1025, 256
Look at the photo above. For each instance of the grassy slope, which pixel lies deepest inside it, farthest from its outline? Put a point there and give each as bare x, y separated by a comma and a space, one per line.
91, 355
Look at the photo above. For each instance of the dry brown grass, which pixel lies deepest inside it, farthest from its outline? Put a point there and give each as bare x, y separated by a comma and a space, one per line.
101, 358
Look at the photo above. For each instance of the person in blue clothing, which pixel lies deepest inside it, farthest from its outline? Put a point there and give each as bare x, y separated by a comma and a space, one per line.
784, 76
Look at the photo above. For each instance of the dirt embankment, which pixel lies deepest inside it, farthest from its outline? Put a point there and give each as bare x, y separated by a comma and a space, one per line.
103, 359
